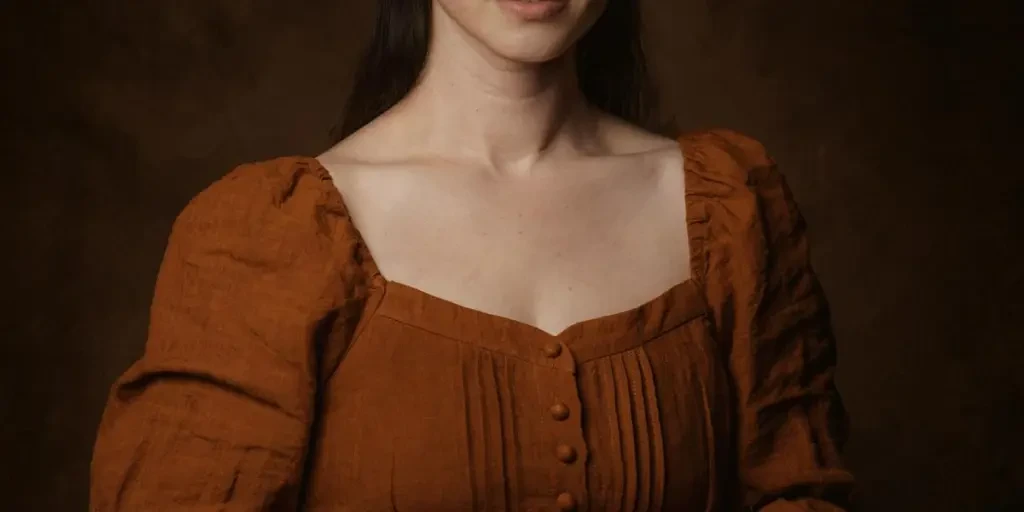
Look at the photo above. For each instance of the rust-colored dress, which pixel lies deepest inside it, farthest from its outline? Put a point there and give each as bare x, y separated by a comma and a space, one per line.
282, 370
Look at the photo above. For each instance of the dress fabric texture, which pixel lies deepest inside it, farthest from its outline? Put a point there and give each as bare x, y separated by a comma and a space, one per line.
283, 372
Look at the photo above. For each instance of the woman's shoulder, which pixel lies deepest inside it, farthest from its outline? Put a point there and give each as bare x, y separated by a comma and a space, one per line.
258, 206
735, 176
720, 155
251, 188
287, 187
730, 154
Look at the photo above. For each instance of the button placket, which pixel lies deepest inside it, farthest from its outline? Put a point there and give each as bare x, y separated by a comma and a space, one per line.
568, 447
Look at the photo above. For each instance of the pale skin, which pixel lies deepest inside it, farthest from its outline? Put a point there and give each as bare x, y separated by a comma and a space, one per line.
494, 186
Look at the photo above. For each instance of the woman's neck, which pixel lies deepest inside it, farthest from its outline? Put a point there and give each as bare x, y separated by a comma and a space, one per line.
472, 104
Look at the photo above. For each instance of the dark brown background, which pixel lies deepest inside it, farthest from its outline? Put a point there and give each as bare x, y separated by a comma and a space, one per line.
891, 118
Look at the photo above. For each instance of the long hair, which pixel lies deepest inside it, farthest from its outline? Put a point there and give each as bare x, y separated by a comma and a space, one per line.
611, 66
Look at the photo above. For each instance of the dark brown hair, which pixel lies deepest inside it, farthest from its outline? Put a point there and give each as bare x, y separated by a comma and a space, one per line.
610, 65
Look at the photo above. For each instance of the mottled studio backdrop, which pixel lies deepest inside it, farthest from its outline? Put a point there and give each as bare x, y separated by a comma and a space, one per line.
896, 121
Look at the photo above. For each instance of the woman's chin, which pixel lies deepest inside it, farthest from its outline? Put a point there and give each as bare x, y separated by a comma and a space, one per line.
529, 48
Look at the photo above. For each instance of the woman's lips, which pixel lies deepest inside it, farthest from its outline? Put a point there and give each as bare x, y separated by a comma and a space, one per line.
534, 10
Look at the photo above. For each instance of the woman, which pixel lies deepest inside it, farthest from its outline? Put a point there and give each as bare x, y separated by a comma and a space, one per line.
501, 290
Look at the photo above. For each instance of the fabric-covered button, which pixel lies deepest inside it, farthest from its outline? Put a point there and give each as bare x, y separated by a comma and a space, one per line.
565, 453
552, 350
566, 502
559, 412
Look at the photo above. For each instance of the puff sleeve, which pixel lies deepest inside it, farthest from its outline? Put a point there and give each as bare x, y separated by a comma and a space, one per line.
255, 299
774, 320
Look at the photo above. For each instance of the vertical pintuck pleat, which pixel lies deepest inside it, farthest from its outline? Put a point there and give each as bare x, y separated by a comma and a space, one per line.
624, 428
475, 418
656, 463
599, 401
490, 428
627, 432
501, 373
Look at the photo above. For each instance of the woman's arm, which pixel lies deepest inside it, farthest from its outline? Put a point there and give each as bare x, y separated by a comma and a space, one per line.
216, 414
782, 355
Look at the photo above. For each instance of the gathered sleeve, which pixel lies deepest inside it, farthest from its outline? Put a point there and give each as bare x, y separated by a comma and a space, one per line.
256, 297
774, 321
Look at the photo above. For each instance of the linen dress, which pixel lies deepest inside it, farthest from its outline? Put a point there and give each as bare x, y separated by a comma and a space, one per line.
282, 371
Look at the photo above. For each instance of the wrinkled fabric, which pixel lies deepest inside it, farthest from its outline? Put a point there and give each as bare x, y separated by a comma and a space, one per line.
281, 370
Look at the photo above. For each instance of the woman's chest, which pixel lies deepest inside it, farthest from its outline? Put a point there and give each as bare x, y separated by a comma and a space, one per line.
440, 408
539, 253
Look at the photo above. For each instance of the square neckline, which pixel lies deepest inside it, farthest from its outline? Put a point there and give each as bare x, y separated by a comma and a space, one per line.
692, 220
